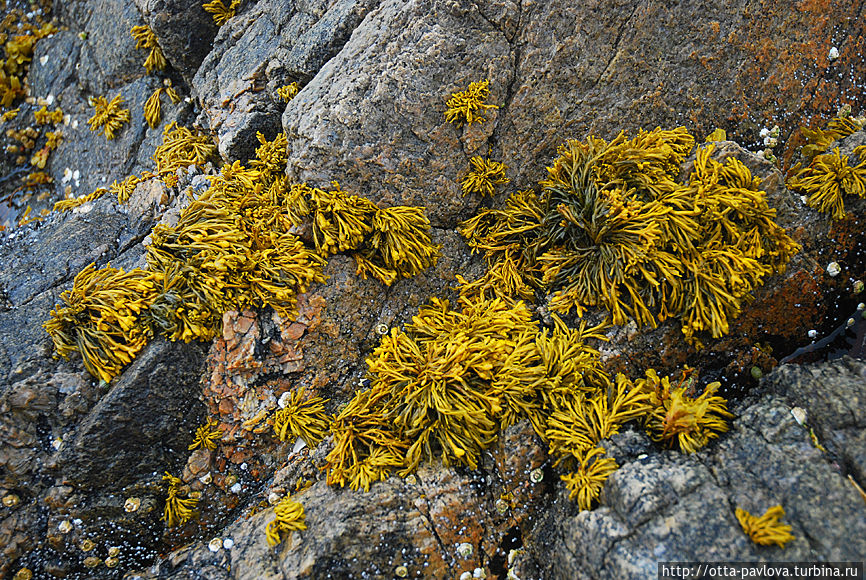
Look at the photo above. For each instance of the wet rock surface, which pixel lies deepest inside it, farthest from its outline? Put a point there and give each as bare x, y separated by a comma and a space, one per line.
375, 76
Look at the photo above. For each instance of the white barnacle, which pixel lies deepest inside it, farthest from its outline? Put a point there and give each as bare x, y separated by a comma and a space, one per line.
464, 550
833, 269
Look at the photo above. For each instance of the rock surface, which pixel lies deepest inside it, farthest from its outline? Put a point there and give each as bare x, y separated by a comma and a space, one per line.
375, 76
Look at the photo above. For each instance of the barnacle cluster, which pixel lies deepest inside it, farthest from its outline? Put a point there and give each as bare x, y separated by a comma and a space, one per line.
828, 176
301, 417
612, 227
153, 106
108, 116
145, 38
288, 517
220, 12
206, 436
466, 107
178, 510
766, 530
484, 176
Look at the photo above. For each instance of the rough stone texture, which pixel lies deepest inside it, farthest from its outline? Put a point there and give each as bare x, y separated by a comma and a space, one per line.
260, 50
373, 117
109, 58
669, 506
147, 410
184, 30
834, 394
375, 76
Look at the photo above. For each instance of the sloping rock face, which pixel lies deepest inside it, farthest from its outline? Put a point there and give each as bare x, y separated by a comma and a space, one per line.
375, 75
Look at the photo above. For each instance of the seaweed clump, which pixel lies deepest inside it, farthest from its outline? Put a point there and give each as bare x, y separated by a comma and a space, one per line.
108, 116
466, 107
235, 247
102, 318
766, 530
445, 387
288, 517
178, 510
614, 228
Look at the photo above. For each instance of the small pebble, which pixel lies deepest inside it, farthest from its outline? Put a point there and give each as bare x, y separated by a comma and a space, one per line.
833, 268
833, 55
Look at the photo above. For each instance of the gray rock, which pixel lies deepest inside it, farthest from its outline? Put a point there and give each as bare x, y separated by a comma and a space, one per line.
673, 507
373, 118
184, 30
140, 425
109, 58
834, 397
261, 50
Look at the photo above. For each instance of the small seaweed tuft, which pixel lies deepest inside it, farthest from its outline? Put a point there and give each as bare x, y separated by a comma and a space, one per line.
586, 482
300, 417
289, 91
466, 107
221, 13
153, 106
145, 38
679, 416
828, 178
766, 530
108, 116
178, 510
484, 176
206, 436
288, 517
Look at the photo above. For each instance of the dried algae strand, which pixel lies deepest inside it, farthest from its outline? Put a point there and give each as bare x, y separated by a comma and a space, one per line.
766, 530
145, 38
108, 116
68, 204
178, 510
